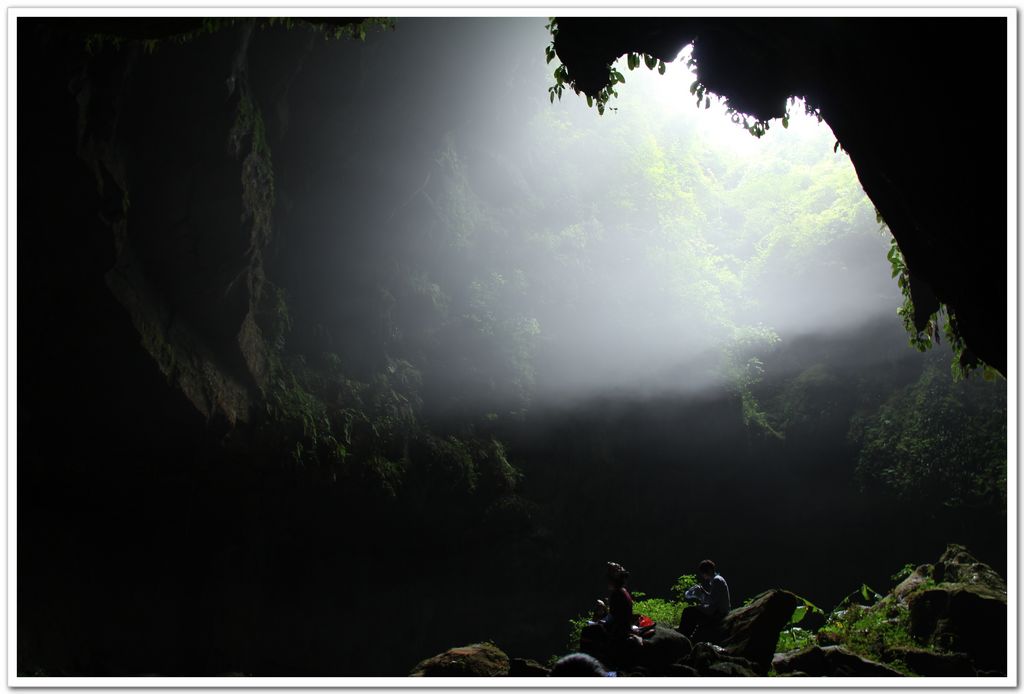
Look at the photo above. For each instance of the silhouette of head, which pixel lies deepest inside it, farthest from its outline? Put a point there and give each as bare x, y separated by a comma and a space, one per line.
617, 575
578, 665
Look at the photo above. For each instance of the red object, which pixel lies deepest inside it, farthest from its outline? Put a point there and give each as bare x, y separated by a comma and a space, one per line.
645, 621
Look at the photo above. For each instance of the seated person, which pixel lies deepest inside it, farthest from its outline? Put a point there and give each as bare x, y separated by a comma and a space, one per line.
620, 603
699, 621
612, 630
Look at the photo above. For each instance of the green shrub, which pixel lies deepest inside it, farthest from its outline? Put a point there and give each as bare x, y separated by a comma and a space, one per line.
794, 638
666, 612
576, 625
873, 632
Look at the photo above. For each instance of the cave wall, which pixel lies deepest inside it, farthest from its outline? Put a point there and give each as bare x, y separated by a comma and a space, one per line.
188, 194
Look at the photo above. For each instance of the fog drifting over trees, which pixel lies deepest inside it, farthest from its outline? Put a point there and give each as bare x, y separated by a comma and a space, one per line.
537, 251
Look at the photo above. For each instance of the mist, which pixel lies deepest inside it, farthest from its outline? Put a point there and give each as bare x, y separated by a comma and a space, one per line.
622, 253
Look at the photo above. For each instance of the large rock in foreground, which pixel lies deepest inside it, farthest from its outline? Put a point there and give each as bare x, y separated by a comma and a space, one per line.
752, 631
525, 667
946, 619
933, 664
710, 660
958, 604
475, 660
830, 661
663, 649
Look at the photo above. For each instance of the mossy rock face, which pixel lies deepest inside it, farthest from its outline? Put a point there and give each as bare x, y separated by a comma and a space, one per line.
474, 660
956, 566
961, 609
945, 619
920, 576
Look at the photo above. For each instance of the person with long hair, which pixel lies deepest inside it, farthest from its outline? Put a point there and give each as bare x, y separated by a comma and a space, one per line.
620, 603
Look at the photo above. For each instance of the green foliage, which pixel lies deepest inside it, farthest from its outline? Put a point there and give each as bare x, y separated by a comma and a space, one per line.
717, 230
794, 638
876, 632
938, 441
812, 399
663, 611
356, 30
248, 139
318, 418
865, 595
682, 584
903, 573
805, 608
871, 625
754, 126
301, 420
561, 73
96, 42
607, 93
745, 371
576, 625
964, 361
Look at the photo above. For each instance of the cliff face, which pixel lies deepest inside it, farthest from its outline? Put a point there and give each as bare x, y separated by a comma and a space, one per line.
142, 230
177, 156
918, 104
187, 189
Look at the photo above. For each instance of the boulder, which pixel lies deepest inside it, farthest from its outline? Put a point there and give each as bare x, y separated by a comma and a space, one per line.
525, 667
919, 577
475, 660
931, 664
680, 670
957, 565
962, 608
728, 668
829, 661
954, 617
664, 648
711, 660
752, 631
